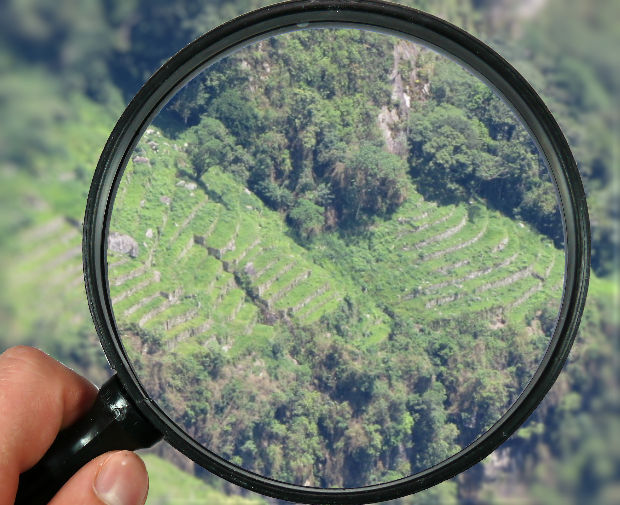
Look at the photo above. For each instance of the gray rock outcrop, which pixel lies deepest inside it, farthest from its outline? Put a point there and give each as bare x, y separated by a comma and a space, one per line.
123, 244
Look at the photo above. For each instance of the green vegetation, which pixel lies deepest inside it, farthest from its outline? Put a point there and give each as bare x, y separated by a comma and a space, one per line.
61, 92
165, 481
271, 329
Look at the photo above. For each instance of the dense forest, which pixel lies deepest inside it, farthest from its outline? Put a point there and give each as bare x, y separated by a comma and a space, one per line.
308, 141
67, 70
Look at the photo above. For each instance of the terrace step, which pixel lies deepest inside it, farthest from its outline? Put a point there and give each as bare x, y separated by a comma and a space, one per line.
506, 281
258, 273
448, 268
201, 238
226, 284
250, 253
427, 225
136, 286
69, 254
442, 236
263, 287
37, 234
35, 260
323, 289
232, 263
189, 244
472, 275
500, 283
144, 301
237, 295
174, 322
119, 281
119, 262
454, 248
313, 311
480, 257
61, 276
550, 267
170, 300
527, 295
287, 289
188, 220
188, 333
502, 244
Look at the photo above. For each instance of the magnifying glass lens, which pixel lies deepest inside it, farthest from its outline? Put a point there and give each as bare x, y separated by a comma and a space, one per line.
335, 258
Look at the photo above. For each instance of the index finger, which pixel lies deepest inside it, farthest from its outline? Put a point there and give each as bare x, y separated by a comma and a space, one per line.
38, 397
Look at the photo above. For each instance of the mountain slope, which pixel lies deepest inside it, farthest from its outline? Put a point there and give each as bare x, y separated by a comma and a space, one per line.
241, 330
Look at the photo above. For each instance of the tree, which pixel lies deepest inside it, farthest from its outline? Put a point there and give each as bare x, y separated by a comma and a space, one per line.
446, 150
233, 108
210, 144
371, 181
307, 218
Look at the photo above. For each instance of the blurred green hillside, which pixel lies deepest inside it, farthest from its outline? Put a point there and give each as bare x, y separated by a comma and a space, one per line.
66, 70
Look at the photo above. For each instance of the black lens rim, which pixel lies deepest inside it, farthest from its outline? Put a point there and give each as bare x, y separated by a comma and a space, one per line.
366, 14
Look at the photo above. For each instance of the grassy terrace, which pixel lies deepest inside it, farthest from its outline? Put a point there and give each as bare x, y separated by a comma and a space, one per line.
214, 261
195, 244
467, 260
46, 283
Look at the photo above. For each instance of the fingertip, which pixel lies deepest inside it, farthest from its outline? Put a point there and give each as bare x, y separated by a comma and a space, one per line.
115, 478
122, 480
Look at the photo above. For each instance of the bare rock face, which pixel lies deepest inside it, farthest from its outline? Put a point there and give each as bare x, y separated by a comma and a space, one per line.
123, 244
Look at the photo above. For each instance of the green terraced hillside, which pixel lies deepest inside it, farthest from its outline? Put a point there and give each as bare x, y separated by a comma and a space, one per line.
211, 263
223, 309
215, 261
431, 263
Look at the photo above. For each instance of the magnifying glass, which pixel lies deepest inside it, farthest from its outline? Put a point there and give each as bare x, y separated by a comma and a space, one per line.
336, 252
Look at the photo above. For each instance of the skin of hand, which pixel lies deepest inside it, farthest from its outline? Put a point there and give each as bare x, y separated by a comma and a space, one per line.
39, 397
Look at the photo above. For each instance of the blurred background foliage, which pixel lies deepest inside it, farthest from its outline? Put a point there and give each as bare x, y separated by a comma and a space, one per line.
67, 69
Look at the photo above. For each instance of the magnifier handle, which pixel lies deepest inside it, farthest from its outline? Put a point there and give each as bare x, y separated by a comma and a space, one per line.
112, 423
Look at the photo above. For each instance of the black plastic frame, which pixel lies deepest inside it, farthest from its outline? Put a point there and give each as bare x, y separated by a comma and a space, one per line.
377, 16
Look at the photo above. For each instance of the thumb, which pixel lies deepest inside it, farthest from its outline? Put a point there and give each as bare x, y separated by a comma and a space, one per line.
115, 478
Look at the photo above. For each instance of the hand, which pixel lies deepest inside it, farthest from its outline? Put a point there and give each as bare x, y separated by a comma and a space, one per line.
38, 397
